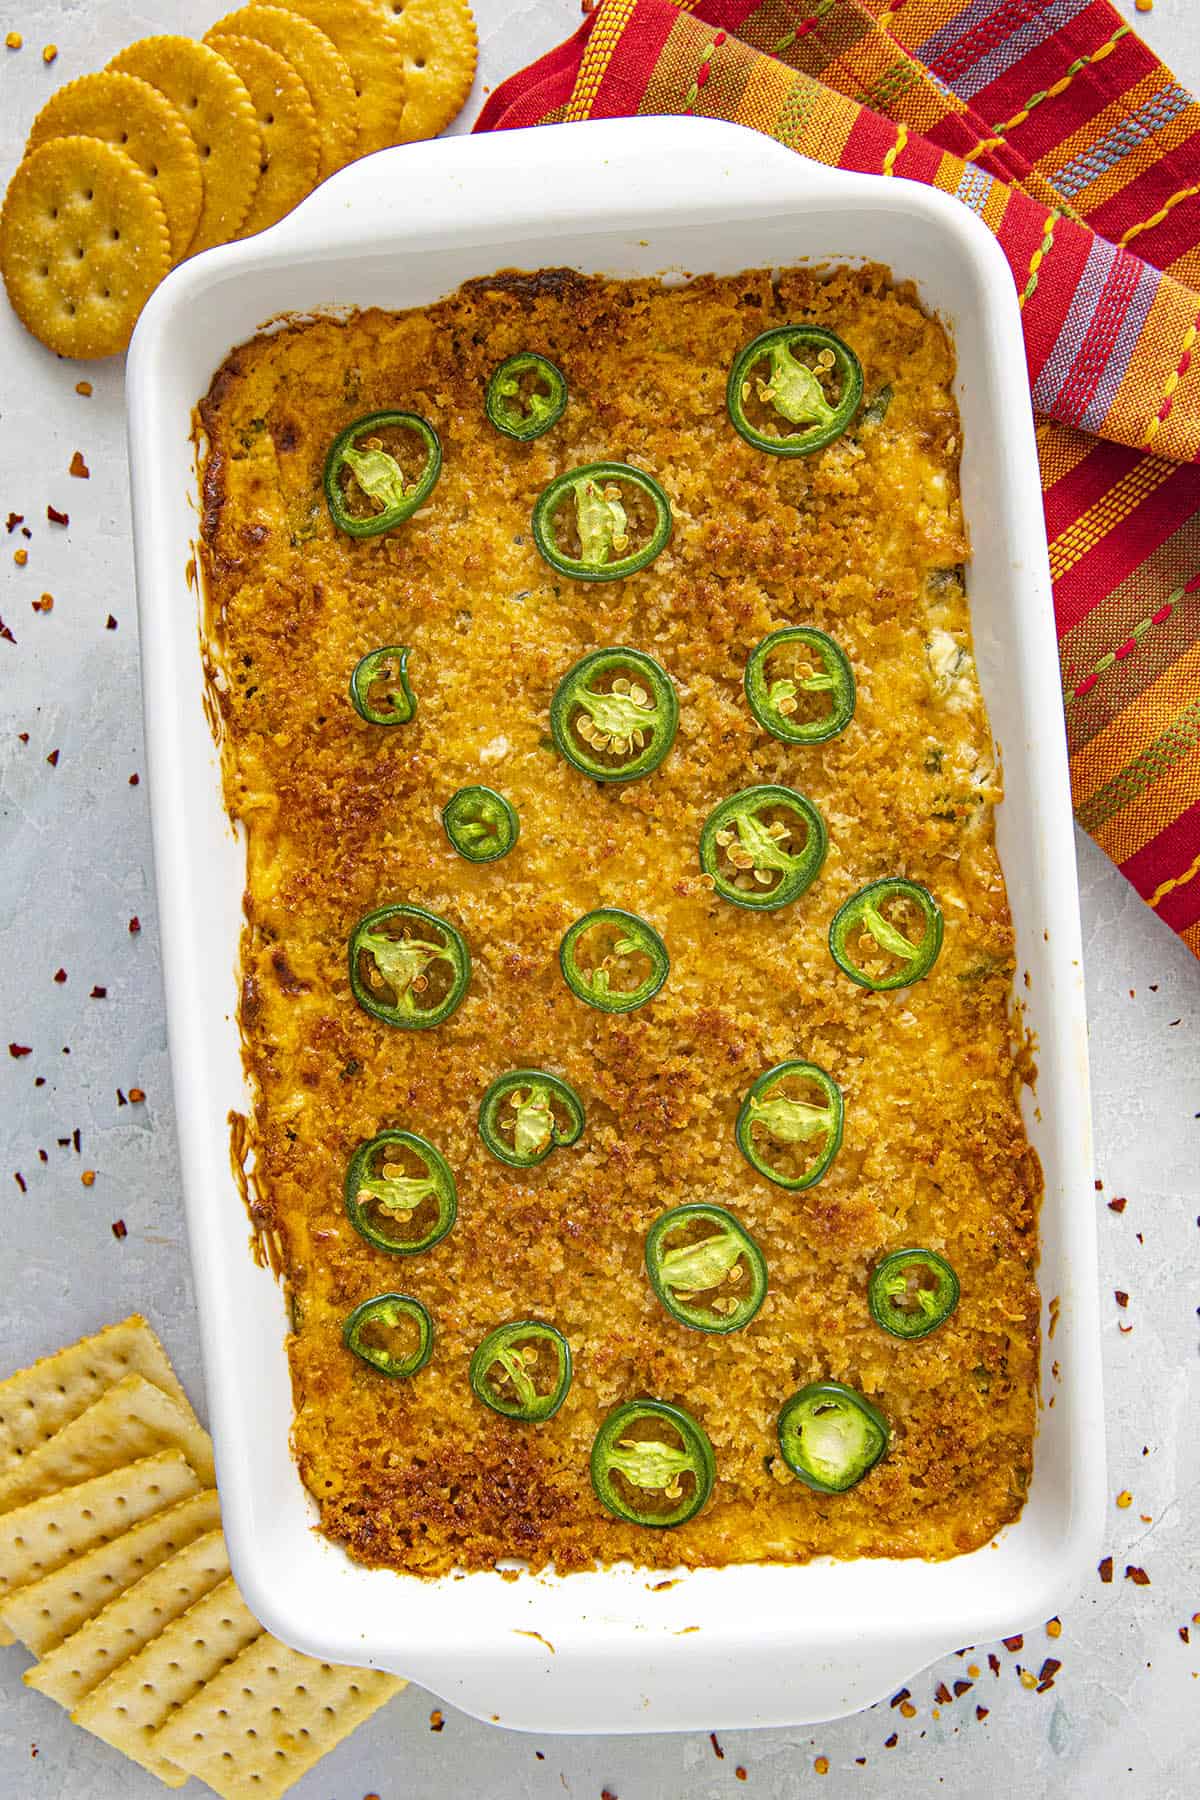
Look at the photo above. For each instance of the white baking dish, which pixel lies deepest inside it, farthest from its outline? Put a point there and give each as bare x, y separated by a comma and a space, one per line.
733, 1647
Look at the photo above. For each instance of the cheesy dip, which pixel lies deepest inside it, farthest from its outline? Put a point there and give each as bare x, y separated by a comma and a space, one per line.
470, 1116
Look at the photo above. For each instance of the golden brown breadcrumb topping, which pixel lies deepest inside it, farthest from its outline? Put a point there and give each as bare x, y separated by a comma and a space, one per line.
865, 540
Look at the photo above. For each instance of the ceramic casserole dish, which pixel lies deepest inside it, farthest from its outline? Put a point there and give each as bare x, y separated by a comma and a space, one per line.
601, 1651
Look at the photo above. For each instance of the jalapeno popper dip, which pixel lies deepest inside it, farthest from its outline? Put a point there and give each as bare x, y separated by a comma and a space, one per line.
626, 975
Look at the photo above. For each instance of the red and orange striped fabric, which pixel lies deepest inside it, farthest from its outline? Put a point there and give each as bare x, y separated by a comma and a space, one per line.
1054, 122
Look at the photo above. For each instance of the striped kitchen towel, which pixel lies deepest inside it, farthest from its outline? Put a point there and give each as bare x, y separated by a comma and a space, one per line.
1055, 123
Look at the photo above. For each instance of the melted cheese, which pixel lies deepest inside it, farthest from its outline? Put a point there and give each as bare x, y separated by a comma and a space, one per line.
864, 540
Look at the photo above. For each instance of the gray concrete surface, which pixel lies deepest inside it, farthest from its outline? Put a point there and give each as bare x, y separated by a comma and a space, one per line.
1124, 1714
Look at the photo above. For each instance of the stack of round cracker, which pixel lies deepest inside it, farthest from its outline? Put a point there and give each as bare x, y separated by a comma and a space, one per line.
180, 145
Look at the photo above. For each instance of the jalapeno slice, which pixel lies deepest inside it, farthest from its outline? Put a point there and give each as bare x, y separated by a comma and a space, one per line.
378, 1330
366, 489
481, 824
522, 1370
816, 392
807, 661
408, 967
652, 1464
400, 1193
611, 503
526, 395
912, 1292
613, 960
831, 1436
746, 847
379, 687
713, 1276
873, 947
526, 1114
613, 716
780, 1131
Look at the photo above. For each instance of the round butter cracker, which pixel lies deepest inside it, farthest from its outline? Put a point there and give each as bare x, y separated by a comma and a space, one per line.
321, 67
440, 49
291, 148
217, 110
136, 118
370, 47
83, 244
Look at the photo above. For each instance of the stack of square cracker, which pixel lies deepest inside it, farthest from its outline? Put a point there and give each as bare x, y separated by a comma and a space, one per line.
114, 1573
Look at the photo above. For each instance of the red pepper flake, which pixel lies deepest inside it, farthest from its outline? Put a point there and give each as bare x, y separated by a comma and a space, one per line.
1105, 1569
75, 1139
1138, 1576
134, 779
20, 1181
98, 993
607, 1794
890, 1743
78, 467
1118, 1205
942, 1693
44, 605
136, 1096
740, 1772
861, 1761
14, 519
1184, 1633
57, 518
119, 1231
1047, 1672
15, 1050
135, 925
110, 624
981, 1713
24, 737
88, 1178
121, 1100
717, 1750
1121, 1297
904, 1694
961, 1688
52, 759
1099, 1186
436, 1720
1124, 1329
60, 975
1013, 1643
84, 388
8, 637
39, 1081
